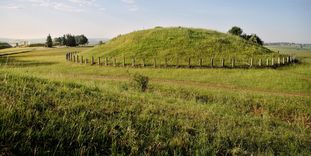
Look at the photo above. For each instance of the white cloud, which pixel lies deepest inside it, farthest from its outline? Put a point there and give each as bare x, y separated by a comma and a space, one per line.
12, 7
63, 5
131, 5
129, 1
83, 2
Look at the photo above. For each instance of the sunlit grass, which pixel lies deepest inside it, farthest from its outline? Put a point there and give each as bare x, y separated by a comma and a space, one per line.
51, 106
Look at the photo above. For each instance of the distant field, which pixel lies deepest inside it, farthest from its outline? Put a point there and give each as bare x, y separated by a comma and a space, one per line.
50, 106
302, 52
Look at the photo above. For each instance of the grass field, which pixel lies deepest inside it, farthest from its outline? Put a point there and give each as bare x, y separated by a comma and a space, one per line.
50, 106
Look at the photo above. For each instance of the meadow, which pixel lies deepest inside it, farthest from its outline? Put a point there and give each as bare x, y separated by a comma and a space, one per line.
52, 106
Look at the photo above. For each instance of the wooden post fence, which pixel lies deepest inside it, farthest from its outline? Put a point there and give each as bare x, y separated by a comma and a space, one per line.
106, 61
283, 59
81, 62
267, 62
133, 62
92, 61
232, 62
201, 62
251, 63
123, 64
260, 63
212, 62
154, 62
222, 62
144, 62
272, 61
114, 62
98, 61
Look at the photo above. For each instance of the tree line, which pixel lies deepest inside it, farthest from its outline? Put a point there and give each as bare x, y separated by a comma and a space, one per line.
253, 38
67, 40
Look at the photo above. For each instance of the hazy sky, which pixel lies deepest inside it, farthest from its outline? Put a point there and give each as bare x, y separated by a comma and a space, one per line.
272, 20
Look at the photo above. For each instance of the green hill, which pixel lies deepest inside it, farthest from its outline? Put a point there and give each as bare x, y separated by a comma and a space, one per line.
182, 42
4, 45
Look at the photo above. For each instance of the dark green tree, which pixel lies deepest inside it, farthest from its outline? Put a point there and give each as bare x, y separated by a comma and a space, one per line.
71, 40
235, 31
49, 42
63, 40
255, 39
83, 40
58, 41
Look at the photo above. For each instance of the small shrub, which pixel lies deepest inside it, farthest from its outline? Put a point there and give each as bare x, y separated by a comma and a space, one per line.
201, 99
140, 82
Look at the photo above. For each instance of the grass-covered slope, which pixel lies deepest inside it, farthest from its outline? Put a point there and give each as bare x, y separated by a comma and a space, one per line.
4, 45
181, 42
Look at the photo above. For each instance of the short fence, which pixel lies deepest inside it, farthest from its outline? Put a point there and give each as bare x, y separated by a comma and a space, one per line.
212, 62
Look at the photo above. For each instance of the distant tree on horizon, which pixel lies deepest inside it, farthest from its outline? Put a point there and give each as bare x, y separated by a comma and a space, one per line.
235, 31
49, 42
81, 40
253, 38
71, 40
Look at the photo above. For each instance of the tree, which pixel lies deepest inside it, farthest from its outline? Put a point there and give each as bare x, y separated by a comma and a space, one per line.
255, 39
63, 40
83, 40
70, 40
235, 31
58, 41
49, 42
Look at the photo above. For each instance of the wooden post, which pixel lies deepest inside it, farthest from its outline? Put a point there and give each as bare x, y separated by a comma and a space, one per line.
98, 61
165, 62
279, 61
123, 64
189, 63
144, 63
106, 61
201, 62
222, 62
78, 59
154, 62
212, 62
260, 62
283, 60
114, 62
272, 61
267, 63
287, 59
251, 63
74, 58
133, 62
81, 62
232, 62
92, 61
86, 61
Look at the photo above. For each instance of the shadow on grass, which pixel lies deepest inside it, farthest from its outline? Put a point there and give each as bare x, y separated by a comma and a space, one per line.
12, 62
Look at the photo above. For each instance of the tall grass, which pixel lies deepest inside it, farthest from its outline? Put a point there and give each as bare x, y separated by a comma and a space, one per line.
49, 106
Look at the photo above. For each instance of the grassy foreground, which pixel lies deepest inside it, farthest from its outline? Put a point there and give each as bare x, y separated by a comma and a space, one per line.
50, 106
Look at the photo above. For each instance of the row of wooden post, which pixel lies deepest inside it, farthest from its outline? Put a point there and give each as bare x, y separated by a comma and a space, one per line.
73, 57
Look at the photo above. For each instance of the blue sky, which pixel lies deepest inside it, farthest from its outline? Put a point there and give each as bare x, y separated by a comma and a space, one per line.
272, 20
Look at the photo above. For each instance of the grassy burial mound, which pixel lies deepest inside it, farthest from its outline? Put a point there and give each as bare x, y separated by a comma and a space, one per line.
178, 42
